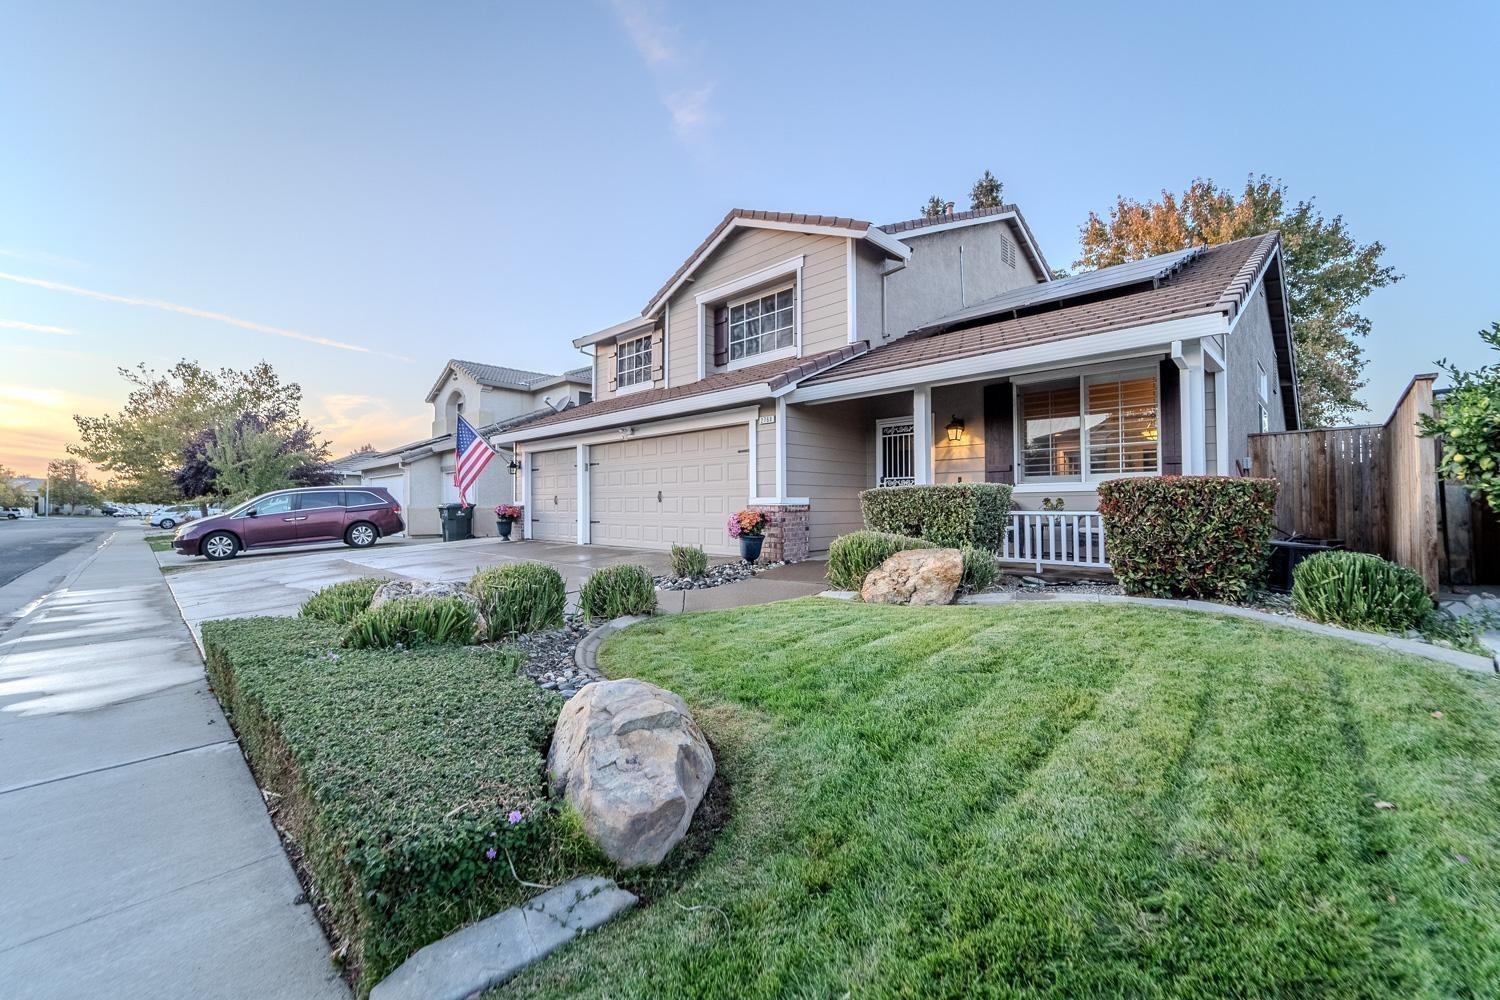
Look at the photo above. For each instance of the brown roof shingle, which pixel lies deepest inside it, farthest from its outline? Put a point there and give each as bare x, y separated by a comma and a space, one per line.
1215, 281
777, 373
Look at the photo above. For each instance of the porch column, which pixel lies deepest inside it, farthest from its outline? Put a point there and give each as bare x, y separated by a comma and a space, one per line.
1188, 356
525, 461
921, 434
583, 494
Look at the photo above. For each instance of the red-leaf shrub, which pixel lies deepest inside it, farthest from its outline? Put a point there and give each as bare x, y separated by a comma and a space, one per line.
1187, 536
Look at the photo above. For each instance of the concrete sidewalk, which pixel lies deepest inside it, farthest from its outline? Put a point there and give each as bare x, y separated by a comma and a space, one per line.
137, 854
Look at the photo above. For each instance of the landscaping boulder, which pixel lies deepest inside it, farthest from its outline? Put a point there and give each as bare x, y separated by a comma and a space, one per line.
916, 576
629, 759
400, 589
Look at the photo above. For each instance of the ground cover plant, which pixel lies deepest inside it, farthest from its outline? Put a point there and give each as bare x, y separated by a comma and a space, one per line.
520, 597
407, 781
1063, 801
618, 590
341, 602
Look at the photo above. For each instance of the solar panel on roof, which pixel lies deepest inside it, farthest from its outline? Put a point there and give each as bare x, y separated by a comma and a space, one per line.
1059, 289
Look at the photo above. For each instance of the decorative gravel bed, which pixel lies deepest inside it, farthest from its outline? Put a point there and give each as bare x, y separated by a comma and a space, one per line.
717, 576
548, 658
1028, 584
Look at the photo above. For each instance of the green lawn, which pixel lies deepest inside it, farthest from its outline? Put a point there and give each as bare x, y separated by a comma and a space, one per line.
1063, 801
159, 543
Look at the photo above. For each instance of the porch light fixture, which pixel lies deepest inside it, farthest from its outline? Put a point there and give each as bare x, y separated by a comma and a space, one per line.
513, 466
955, 430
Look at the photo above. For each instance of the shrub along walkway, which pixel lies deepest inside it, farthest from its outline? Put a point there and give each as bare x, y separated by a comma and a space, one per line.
138, 857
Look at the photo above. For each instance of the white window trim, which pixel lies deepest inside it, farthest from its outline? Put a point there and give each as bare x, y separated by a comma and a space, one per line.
1087, 480
710, 297
648, 382
793, 351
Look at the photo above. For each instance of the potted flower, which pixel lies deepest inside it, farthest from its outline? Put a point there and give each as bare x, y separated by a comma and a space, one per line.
506, 515
749, 526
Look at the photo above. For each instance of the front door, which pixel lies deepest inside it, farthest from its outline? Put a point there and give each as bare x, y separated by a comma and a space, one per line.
322, 516
274, 522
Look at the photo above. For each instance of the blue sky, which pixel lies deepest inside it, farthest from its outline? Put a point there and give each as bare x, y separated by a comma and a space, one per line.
356, 192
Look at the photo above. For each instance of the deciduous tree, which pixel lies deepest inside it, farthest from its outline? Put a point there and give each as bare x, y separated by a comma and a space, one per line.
1468, 421
69, 485
1329, 273
10, 494
251, 455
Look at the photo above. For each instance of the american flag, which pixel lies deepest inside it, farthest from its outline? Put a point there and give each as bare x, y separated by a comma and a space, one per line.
472, 454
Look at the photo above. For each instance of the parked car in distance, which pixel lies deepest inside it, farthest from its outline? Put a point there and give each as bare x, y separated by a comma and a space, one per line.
356, 517
171, 517
14, 513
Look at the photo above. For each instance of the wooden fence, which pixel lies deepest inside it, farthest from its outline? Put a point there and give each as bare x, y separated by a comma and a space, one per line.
1373, 486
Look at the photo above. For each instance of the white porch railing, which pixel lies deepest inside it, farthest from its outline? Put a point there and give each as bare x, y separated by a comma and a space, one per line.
1055, 538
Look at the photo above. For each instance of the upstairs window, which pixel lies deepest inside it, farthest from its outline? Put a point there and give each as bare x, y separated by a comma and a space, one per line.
1263, 392
761, 324
633, 362
1088, 429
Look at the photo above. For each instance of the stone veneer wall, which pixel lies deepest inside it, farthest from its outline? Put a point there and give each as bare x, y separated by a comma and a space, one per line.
787, 532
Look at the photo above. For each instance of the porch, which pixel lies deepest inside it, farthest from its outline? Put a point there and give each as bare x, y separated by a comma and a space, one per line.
1052, 434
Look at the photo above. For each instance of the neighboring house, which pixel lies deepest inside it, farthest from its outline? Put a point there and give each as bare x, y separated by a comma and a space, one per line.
420, 474
794, 360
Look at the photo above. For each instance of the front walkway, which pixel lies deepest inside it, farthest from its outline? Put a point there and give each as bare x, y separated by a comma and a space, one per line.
137, 854
279, 583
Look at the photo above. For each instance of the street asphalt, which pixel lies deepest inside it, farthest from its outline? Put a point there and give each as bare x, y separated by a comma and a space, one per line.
29, 542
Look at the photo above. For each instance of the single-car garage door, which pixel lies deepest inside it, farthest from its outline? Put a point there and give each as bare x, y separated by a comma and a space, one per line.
675, 489
554, 495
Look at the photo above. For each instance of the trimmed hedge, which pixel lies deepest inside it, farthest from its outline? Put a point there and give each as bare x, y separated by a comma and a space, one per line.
1358, 590
412, 622
618, 590
1187, 536
520, 597
689, 561
340, 602
949, 516
852, 556
396, 773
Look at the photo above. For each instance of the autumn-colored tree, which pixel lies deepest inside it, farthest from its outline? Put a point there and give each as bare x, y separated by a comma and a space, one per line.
1328, 272
986, 192
143, 444
935, 207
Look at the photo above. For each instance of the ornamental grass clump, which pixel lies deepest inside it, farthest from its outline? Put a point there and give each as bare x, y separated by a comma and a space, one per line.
852, 556
689, 561
616, 591
1188, 536
1359, 590
520, 598
412, 622
981, 569
340, 602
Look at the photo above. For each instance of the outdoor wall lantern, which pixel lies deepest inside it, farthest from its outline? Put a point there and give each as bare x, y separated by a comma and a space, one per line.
955, 430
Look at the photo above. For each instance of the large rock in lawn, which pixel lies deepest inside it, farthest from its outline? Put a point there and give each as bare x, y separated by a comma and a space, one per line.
916, 576
630, 760
401, 589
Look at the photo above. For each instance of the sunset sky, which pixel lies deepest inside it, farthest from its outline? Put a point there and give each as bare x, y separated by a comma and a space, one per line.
356, 192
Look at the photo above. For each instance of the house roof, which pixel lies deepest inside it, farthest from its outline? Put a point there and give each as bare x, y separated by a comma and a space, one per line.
500, 377
915, 228
774, 373
837, 225
1218, 279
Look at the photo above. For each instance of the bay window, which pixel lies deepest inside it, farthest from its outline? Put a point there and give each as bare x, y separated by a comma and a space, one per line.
1087, 429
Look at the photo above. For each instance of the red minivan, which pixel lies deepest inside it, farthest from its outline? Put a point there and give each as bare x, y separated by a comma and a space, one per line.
356, 516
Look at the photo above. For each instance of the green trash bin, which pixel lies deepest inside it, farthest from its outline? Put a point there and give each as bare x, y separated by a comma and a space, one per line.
457, 521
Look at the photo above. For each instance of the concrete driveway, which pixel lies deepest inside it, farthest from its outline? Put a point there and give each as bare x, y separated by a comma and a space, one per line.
277, 582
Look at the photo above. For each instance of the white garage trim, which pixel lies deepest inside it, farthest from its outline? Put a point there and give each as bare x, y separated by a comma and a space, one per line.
700, 422
583, 494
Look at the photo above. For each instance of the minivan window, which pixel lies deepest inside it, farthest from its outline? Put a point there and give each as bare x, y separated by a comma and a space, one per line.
279, 504
362, 499
313, 499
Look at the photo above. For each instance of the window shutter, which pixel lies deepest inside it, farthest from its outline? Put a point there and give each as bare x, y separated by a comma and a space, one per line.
658, 354
612, 360
999, 434
1171, 420
721, 335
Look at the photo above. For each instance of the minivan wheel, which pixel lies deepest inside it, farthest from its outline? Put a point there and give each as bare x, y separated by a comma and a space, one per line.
220, 545
168, 523
361, 535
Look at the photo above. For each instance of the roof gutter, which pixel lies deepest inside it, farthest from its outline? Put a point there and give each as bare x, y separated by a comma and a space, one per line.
749, 393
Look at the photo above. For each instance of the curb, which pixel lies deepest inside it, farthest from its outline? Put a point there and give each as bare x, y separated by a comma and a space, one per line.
1452, 657
586, 653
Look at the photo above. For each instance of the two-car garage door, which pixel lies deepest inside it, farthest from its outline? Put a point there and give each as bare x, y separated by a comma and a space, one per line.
648, 492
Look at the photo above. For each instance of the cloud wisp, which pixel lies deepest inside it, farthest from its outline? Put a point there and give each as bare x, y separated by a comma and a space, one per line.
16, 324
208, 314
683, 88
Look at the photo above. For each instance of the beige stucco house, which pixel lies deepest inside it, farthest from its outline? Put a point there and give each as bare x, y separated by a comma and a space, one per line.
491, 397
795, 360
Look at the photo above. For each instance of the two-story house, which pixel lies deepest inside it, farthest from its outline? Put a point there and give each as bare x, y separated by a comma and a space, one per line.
795, 360
491, 398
